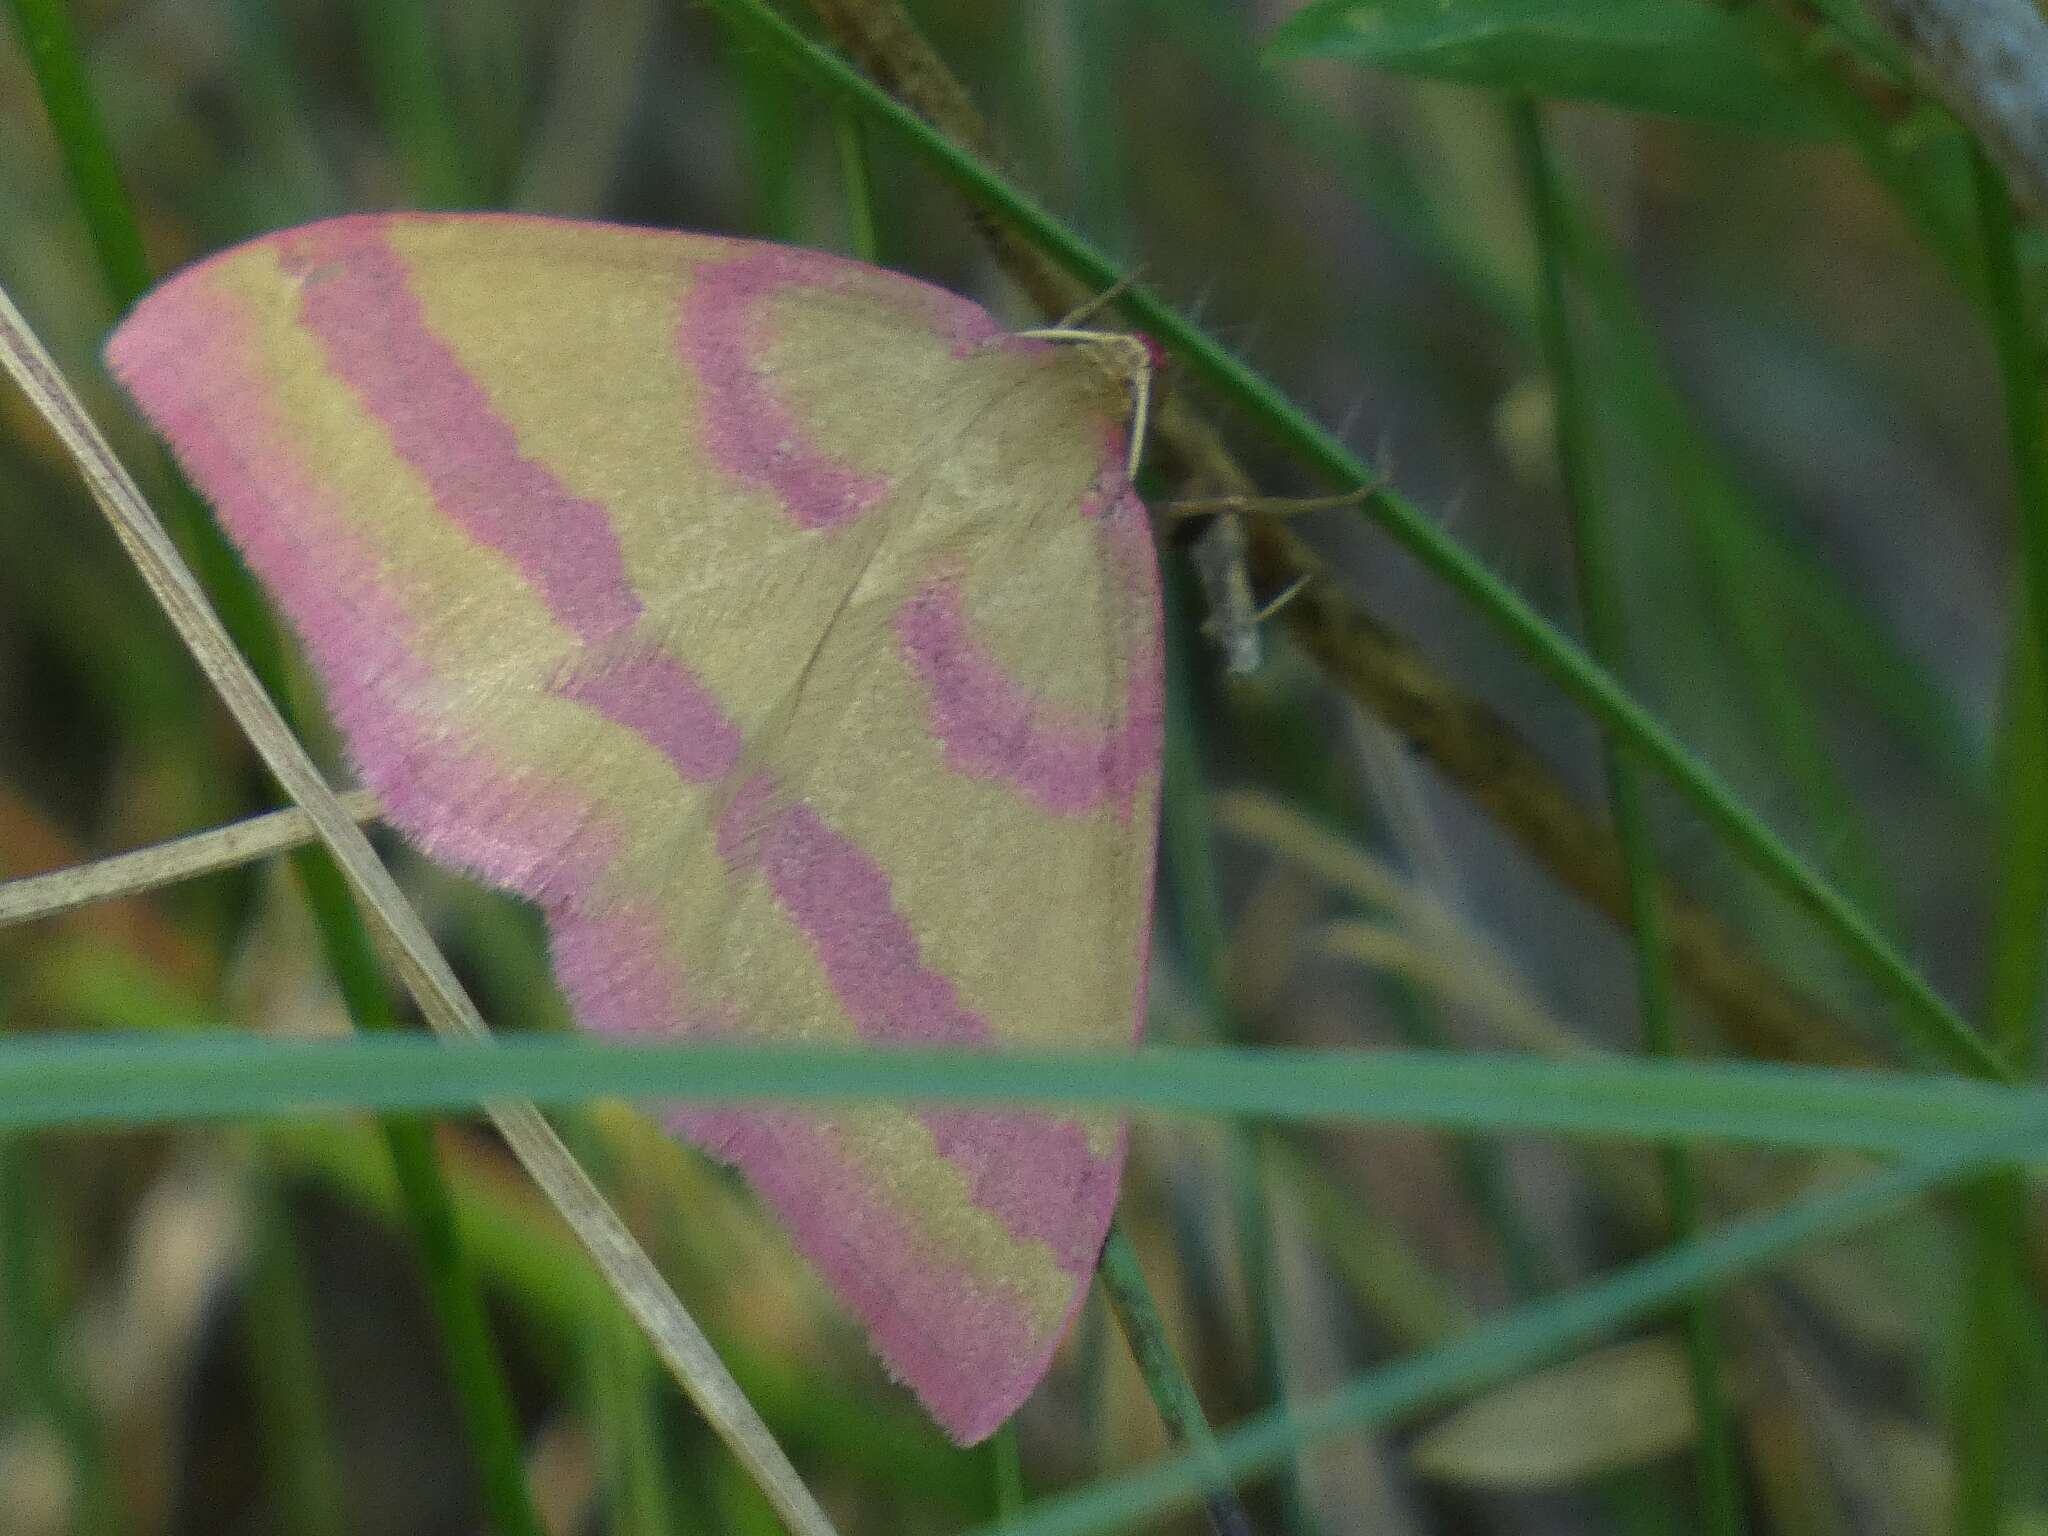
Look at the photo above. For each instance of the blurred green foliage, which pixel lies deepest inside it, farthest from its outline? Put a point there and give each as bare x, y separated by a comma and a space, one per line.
1803, 359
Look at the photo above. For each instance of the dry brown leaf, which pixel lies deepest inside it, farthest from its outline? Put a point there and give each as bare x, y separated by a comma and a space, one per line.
1613, 1408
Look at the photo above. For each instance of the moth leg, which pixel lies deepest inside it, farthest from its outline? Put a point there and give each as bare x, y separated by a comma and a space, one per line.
1234, 610
1139, 363
1235, 613
1269, 506
1232, 617
1073, 319
1288, 594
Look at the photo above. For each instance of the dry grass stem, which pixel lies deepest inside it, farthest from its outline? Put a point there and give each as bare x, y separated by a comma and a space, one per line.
148, 869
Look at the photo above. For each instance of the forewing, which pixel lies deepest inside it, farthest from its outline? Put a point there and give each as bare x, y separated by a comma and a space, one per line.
782, 628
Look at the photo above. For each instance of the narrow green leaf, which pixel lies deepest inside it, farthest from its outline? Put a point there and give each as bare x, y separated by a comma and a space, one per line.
1675, 58
58, 1080
1600, 596
1130, 1297
1986, 1401
44, 1380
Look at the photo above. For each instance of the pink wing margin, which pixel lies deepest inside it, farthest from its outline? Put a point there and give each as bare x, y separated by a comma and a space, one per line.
193, 356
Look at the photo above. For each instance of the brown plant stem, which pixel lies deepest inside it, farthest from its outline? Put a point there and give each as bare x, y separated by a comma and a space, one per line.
1467, 741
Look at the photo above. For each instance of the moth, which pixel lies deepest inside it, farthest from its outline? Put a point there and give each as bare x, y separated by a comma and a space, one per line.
783, 628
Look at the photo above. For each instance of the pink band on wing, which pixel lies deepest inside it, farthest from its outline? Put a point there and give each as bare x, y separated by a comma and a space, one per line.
454, 799
969, 1346
842, 902
840, 898
1037, 1174
356, 299
621, 972
655, 696
992, 727
752, 434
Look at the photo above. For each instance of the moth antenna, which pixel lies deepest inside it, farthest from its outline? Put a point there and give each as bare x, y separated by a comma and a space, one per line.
1141, 360
1141, 410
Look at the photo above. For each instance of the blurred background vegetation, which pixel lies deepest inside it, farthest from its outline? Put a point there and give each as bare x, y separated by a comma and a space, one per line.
1737, 271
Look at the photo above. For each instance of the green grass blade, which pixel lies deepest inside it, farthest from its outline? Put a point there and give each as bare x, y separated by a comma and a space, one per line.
1739, 558
1101, 33
32, 1330
57, 1081
1006, 1473
481, 1390
1985, 1383
59, 68
1600, 598
1189, 892
849, 139
773, 135
1528, 1337
1130, 1298
298, 1448
409, 79
616, 1392
296, 176
2015, 992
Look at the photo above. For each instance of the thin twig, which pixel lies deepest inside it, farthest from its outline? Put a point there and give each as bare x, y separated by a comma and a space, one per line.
425, 972
147, 869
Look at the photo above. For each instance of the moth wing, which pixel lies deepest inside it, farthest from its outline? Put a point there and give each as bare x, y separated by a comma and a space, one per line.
783, 629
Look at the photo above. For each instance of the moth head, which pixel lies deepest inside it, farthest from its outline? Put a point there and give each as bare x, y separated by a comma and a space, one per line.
1125, 362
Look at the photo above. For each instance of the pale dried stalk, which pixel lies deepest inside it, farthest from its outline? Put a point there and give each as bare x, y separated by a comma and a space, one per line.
1431, 944
1425, 938
426, 974
1461, 973
34, 897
